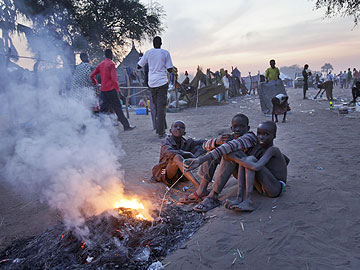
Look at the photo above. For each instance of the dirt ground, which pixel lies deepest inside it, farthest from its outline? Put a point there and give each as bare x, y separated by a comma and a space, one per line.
313, 225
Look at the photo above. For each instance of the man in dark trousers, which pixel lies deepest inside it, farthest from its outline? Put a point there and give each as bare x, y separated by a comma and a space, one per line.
159, 62
110, 88
305, 74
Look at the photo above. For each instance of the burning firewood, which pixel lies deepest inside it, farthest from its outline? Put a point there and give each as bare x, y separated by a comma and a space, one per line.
120, 241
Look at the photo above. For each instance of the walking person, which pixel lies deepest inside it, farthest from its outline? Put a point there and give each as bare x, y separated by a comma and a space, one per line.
110, 88
159, 62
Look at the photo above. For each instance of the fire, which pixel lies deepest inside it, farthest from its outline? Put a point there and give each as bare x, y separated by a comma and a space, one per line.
140, 216
133, 204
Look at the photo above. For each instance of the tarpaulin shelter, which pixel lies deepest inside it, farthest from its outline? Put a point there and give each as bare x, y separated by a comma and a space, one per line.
267, 91
129, 75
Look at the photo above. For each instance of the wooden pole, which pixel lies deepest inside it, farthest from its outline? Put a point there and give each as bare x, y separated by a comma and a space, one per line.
128, 95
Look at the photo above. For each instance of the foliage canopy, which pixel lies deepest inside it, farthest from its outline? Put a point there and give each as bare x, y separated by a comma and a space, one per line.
340, 7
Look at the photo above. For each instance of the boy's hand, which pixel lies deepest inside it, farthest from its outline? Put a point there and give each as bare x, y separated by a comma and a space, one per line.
223, 139
191, 164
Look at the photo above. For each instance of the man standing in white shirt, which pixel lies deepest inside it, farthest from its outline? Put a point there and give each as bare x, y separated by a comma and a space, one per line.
159, 62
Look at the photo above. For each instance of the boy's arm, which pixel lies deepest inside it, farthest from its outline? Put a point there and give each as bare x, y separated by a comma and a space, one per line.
246, 141
261, 163
213, 143
169, 151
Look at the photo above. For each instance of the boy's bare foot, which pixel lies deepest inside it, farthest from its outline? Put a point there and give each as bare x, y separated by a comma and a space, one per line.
245, 206
230, 203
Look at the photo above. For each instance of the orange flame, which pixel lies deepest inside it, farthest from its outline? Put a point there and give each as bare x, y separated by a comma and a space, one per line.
131, 204
135, 204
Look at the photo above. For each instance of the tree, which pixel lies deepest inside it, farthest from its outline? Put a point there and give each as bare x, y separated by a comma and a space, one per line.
91, 25
326, 67
290, 71
340, 7
7, 26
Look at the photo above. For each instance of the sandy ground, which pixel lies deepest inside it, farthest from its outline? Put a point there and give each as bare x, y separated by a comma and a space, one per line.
313, 225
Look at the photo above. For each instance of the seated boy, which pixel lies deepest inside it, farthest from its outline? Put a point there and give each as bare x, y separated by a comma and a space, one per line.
280, 106
268, 174
241, 142
356, 91
172, 154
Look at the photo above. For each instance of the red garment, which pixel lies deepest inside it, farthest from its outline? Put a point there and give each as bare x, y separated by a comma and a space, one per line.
109, 80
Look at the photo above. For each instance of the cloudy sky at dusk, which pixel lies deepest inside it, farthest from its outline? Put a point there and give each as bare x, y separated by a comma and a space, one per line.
247, 34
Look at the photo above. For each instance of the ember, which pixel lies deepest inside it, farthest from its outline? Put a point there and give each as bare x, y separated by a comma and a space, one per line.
116, 242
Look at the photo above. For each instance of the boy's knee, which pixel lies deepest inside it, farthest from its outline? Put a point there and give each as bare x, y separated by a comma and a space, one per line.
228, 157
178, 158
251, 159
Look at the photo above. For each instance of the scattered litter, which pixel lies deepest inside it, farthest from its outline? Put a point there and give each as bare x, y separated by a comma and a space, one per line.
241, 255
166, 264
18, 260
185, 188
274, 207
89, 259
242, 226
268, 260
233, 261
234, 102
309, 111
212, 216
156, 266
319, 168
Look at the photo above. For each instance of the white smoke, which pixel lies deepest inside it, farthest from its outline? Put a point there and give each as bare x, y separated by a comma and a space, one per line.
53, 146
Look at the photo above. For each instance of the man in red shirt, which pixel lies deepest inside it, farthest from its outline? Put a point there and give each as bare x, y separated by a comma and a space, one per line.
110, 88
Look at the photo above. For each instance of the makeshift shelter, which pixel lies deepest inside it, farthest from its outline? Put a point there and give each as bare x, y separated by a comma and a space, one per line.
129, 75
198, 94
267, 91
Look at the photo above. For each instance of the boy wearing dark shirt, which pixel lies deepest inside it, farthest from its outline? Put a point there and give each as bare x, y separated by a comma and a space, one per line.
172, 154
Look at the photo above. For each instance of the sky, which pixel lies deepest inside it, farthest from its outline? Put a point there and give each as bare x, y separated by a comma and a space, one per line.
247, 34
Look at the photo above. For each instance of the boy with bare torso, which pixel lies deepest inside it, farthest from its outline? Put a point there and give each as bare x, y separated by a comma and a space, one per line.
241, 143
268, 174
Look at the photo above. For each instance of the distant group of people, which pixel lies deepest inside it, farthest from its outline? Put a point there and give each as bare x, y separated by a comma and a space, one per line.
157, 61
84, 82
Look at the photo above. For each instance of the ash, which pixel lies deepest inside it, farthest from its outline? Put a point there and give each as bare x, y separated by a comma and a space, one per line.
116, 242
